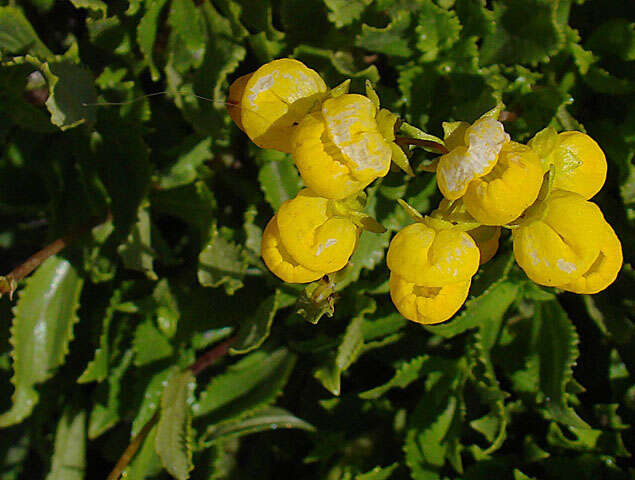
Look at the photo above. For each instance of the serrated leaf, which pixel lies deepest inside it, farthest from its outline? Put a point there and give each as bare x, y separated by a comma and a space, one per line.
146, 462
95, 5
378, 473
268, 418
42, 329
151, 399
525, 31
255, 329
107, 401
173, 437
69, 454
193, 153
279, 179
97, 368
437, 30
137, 253
149, 344
187, 36
147, 33
254, 381
221, 263
17, 35
405, 374
345, 12
558, 353
390, 40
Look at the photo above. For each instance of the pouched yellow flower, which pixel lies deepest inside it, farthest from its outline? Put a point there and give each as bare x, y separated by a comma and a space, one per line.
271, 101
339, 149
314, 235
508, 189
434, 258
486, 239
278, 259
427, 305
604, 269
579, 162
562, 243
473, 153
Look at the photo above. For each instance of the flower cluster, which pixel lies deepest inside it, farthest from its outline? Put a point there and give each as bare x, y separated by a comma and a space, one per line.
340, 143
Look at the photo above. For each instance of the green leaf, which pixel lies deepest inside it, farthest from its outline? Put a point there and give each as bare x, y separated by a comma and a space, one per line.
614, 37
151, 399
345, 12
41, 331
147, 33
146, 462
173, 437
603, 81
221, 263
405, 374
192, 154
316, 300
149, 344
254, 330
17, 36
194, 204
185, 20
105, 412
137, 252
95, 5
437, 30
69, 454
278, 177
480, 311
378, 473
558, 353
525, 32
268, 418
97, 368
391, 40
255, 381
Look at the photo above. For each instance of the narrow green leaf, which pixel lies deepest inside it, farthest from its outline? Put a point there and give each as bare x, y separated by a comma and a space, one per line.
147, 33
173, 437
255, 329
269, 418
42, 329
146, 462
405, 374
137, 252
255, 381
151, 399
378, 473
279, 179
69, 454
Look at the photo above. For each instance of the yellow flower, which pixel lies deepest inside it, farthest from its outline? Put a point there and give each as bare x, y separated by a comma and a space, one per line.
604, 269
508, 189
314, 234
269, 103
339, 149
430, 257
473, 153
561, 243
427, 305
579, 162
486, 239
278, 259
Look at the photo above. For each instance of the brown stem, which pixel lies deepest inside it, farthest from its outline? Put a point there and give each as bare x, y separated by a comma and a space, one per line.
201, 363
402, 141
9, 282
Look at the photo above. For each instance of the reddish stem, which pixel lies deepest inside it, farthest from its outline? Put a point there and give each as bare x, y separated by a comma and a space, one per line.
421, 143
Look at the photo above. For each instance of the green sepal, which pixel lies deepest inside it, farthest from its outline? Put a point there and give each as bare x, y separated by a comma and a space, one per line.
372, 94
400, 159
341, 89
411, 211
414, 132
494, 112
386, 121
316, 300
366, 222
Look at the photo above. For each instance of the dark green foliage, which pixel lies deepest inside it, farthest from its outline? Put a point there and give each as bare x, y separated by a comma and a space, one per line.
113, 113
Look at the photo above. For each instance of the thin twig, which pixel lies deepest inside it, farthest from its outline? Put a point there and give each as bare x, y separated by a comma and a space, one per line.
9, 282
421, 143
201, 363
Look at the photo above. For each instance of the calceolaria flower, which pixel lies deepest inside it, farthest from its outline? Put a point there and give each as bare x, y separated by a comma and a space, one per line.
433, 254
268, 103
508, 189
427, 305
340, 149
486, 239
578, 162
473, 153
560, 242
